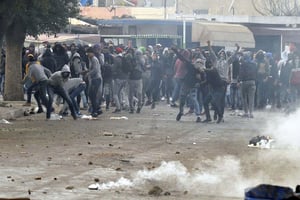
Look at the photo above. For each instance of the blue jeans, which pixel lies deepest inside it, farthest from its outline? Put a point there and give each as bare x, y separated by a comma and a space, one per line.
61, 92
195, 101
176, 91
76, 92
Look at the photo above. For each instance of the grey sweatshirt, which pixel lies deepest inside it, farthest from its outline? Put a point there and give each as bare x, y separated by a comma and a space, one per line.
94, 69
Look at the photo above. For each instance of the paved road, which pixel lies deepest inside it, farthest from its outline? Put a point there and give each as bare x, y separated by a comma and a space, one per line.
60, 159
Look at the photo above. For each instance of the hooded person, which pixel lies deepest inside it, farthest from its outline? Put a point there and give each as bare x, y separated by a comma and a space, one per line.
56, 86
135, 80
95, 82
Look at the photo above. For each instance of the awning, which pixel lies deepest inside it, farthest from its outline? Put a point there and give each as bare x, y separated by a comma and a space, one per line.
65, 38
221, 34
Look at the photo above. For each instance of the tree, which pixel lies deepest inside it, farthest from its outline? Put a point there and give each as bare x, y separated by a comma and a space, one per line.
33, 17
277, 7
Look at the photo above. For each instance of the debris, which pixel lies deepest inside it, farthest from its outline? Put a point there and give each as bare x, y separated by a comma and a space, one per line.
79, 154
118, 118
88, 117
155, 191
4, 121
167, 193
185, 192
107, 134
122, 182
38, 178
127, 161
118, 169
55, 179
96, 180
94, 186
90, 163
194, 143
26, 113
111, 145
168, 140
69, 187
89, 143
55, 117
263, 142
29, 192
177, 152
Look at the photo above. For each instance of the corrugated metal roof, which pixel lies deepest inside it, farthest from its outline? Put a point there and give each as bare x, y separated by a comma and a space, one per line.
140, 22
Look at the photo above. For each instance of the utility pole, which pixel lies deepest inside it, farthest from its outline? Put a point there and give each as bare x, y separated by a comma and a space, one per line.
165, 9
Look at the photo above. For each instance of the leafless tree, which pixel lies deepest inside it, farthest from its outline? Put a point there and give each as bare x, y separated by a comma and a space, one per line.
277, 7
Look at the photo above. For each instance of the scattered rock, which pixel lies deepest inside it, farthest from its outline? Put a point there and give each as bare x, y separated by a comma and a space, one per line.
107, 134
185, 192
8, 176
49, 158
89, 142
55, 178
126, 136
44, 192
123, 160
111, 145
96, 180
38, 178
90, 163
167, 193
155, 191
69, 187
29, 192
79, 154
118, 169
177, 152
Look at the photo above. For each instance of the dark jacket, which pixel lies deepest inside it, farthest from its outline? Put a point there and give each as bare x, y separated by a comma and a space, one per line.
248, 71
48, 61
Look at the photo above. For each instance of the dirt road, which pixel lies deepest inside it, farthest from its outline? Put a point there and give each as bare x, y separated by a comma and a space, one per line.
60, 159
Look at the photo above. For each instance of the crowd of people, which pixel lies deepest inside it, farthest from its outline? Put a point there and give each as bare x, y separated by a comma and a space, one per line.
127, 78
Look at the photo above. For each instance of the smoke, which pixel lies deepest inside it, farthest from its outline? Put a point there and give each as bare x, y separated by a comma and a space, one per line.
285, 130
222, 176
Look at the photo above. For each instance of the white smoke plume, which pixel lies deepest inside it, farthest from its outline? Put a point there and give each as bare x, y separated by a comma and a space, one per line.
222, 176
285, 130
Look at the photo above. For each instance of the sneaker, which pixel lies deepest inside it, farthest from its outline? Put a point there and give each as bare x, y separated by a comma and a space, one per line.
163, 98
40, 110
117, 111
174, 105
215, 116
178, 117
27, 104
152, 105
198, 119
245, 115
94, 115
220, 119
206, 121
99, 112
138, 110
